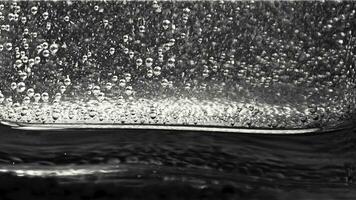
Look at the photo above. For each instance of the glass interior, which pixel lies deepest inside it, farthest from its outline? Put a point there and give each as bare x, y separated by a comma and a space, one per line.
275, 65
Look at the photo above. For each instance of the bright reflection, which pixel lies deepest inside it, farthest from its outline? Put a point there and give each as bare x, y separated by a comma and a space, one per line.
58, 171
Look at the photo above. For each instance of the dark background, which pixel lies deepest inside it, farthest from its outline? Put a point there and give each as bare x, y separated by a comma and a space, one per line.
179, 165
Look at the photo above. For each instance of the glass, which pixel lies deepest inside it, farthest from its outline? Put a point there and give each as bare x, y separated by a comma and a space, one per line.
90, 69
255, 67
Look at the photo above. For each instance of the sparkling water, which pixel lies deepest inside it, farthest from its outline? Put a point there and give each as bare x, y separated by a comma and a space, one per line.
255, 68
102, 85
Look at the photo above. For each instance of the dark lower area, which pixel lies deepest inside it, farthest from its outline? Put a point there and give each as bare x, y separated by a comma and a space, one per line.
15, 188
204, 165
12, 187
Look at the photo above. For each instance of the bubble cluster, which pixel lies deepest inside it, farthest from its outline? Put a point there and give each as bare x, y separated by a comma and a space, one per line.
240, 64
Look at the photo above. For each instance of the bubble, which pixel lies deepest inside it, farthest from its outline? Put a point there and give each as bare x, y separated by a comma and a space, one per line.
37, 97
128, 90
71, 115
57, 96
45, 97
24, 111
96, 90
153, 115
67, 81
13, 85
26, 100
11, 115
92, 113
127, 77
55, 115
38, 112
108, 86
